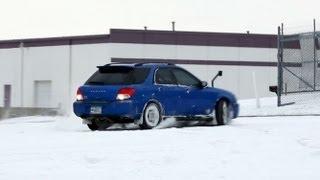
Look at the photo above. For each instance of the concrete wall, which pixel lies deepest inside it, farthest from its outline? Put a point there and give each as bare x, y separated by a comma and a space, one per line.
27, 111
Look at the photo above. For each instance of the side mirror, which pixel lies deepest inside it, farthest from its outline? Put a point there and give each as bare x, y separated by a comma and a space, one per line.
203, 84
215, 77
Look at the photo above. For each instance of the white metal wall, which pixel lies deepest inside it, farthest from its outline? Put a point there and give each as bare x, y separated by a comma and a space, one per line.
42, 93
85, 59
237, 79
46, 64
67, 67
10, 74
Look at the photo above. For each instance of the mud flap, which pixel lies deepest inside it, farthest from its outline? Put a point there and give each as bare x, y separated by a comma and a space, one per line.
139, 121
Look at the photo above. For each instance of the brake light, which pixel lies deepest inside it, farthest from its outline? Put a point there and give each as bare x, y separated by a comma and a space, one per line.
125, 93
79, 96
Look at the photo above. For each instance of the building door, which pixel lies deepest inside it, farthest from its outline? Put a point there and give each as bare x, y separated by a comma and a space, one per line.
7, 96
42, 97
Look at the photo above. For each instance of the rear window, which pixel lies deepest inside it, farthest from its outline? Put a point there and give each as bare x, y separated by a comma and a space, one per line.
118, 75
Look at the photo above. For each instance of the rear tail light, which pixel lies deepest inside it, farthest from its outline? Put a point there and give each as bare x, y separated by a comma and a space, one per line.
79, 96
125, 93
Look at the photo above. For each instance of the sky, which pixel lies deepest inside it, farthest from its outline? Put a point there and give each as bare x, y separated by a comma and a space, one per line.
50, 18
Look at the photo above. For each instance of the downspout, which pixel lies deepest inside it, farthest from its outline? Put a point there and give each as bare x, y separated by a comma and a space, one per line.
21, 46
69, 79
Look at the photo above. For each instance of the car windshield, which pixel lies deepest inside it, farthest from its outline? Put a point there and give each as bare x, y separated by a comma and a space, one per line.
118, 75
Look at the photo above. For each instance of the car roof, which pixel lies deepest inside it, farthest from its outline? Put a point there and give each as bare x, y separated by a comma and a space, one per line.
143, 64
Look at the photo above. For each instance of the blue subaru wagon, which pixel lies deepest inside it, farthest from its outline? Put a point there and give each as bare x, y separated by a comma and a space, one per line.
147, 93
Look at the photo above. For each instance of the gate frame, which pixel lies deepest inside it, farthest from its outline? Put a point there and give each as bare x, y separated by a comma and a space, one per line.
281, 66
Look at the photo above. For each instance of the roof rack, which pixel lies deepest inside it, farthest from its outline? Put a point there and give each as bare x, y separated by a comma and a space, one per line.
136, 64
142, 63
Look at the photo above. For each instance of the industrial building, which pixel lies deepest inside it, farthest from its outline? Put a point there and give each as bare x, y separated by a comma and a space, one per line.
46, 72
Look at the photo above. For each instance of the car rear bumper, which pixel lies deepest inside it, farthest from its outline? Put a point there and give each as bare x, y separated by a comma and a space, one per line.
118, 111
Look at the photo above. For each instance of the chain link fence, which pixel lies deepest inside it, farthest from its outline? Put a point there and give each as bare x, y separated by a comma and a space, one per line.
298, 67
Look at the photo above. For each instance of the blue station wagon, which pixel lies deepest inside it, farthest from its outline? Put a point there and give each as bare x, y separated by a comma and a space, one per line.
148, 93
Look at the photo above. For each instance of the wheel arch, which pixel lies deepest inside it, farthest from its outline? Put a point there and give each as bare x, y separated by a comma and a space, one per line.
162, 111
156, 102
220, 99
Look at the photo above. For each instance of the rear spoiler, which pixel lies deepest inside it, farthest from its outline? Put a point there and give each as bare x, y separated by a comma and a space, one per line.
107, 65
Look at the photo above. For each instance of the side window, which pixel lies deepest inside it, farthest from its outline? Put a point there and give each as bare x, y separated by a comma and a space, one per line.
185, 78
165, 76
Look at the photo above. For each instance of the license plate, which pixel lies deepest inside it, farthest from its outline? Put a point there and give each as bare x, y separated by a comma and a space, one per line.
95, 110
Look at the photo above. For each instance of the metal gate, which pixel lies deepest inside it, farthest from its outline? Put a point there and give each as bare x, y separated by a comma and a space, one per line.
298, 67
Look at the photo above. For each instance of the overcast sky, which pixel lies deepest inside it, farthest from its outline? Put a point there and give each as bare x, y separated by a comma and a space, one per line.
44, 18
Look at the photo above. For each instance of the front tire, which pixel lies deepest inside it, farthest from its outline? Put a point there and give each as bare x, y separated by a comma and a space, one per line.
151, 116
222, 112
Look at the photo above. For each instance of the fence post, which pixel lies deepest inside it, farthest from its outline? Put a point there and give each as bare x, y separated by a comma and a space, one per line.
314, 56
254, 82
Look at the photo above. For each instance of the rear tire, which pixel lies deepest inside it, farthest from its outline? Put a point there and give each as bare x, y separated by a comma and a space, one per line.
151, 116
97, 124
93, 127
222, 112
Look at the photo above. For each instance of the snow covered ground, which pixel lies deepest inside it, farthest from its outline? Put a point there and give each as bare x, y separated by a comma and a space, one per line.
305, 104
248, 149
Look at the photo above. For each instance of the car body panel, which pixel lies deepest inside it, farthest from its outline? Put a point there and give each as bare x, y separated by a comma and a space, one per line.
166, 94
